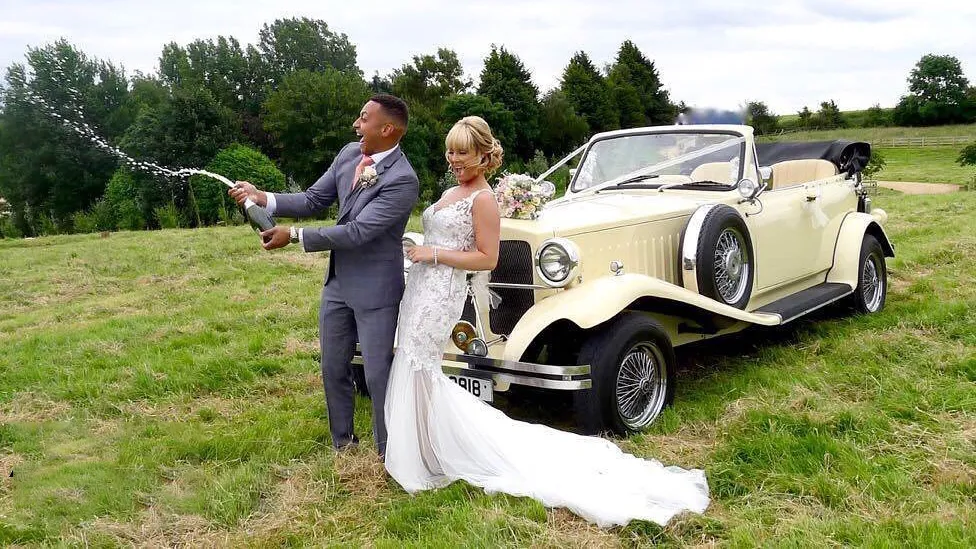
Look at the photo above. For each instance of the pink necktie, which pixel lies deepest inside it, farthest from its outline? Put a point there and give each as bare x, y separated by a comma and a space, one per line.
363, 162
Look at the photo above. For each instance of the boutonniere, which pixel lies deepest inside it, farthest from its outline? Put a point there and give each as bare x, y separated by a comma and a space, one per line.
368, 177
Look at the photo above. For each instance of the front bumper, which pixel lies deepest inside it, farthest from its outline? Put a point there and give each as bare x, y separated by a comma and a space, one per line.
505, 373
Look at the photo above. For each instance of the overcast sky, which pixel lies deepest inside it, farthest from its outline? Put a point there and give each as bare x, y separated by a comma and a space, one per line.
709, 53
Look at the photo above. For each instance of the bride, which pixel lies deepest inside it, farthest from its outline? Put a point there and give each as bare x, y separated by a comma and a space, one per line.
439, 433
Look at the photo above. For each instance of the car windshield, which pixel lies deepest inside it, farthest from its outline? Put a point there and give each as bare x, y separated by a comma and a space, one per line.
662, 159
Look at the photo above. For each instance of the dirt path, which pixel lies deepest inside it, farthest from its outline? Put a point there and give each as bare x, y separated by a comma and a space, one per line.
908, 187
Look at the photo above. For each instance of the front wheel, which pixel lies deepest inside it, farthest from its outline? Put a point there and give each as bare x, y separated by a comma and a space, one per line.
632, 367
872, 278
724, 265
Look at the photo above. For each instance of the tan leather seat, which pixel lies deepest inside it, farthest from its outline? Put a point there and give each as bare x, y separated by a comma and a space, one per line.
720, 172
796, 172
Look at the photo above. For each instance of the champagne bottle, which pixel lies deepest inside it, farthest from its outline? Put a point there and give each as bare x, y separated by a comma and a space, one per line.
259, 217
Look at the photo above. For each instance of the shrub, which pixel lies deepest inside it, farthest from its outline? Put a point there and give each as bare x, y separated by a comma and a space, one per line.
84, 222
9, 229
130, 216
537, 165
105, 219
967, 156
123, 203
875, 165
46, 226
236, 162
168, 216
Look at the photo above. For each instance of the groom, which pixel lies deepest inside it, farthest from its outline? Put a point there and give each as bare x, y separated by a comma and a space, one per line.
376, 188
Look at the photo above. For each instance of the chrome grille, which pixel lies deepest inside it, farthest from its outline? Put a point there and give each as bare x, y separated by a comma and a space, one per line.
514, 267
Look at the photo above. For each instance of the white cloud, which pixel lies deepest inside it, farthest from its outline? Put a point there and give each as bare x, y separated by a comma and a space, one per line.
709, 52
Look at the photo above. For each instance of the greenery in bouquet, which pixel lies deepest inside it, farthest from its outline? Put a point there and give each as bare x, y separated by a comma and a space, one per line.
521, 197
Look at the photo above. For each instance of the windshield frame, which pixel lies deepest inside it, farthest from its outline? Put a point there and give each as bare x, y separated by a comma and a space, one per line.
572, 187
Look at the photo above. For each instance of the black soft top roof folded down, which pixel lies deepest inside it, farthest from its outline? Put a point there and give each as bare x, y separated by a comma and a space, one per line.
848, 156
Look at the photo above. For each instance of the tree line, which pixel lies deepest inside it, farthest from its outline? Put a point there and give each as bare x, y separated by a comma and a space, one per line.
938, 94
275, 112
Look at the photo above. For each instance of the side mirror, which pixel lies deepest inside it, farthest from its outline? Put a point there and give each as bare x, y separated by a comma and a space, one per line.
765, 172
572, 173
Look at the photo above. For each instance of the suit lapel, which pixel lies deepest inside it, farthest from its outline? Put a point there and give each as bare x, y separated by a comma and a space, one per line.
353, 195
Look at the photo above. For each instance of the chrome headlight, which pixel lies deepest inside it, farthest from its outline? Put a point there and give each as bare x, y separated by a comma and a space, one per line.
557, 262
410, 240
748, 189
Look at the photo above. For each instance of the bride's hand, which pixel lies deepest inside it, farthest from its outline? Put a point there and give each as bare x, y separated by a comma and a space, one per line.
420, 254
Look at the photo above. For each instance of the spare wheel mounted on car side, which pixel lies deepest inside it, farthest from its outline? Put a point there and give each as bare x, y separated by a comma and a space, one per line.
716, 255
632, 367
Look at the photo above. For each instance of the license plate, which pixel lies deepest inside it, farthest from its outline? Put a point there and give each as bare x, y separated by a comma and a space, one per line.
480, 388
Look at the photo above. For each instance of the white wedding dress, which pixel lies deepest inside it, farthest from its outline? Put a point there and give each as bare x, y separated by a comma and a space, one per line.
439, 433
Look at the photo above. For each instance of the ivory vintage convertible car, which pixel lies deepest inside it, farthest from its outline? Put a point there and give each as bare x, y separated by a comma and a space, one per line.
667, 236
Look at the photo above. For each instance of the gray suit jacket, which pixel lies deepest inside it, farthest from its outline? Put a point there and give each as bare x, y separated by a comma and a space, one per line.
367, 252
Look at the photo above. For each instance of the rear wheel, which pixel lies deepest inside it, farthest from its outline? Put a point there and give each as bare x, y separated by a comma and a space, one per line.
872, 278
632, 367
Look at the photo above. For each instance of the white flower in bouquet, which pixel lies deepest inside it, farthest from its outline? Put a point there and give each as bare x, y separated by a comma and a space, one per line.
520, 197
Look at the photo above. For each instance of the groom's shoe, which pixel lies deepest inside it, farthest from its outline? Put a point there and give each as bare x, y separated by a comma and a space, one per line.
348, 446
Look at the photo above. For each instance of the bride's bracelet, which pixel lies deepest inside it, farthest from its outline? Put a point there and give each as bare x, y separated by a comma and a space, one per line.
435, 255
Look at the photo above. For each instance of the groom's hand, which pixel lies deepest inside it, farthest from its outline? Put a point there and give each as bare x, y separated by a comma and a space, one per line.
243, 190
275, 237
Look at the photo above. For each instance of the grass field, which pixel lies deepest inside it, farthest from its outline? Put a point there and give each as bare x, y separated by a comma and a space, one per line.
162, 388
877, 134
925, 164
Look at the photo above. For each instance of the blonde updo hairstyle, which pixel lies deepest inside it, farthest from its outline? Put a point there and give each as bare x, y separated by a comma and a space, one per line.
473, 133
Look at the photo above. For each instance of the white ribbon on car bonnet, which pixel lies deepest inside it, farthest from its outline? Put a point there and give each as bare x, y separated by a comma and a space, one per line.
479, 287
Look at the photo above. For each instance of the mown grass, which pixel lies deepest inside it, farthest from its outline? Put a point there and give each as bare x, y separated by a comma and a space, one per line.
879, 134
162, 388
925, 164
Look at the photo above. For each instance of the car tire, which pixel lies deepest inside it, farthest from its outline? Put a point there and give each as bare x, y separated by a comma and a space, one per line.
632, 369
724, 262
359, 379
872, 278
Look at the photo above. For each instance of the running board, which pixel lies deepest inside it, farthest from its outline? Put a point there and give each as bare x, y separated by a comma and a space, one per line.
809, 300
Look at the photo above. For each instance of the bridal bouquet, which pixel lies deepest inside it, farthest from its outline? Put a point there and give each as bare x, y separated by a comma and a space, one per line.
520, 197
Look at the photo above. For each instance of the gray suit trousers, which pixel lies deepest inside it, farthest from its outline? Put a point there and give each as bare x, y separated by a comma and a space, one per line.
339, 324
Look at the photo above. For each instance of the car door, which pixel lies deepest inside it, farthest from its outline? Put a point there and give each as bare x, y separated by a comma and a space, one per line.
787, 235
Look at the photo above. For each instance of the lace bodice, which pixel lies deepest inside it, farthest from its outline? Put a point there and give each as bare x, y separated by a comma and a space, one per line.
435, 294
450, 226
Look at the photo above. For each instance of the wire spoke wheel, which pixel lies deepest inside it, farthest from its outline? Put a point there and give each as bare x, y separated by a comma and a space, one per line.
731, 264
641, 385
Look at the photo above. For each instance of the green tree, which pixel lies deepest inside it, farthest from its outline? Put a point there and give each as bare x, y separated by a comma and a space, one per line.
47, 170
236, 162
805, 117
938, 93
186, 130
586, 90
876, 117
829, 116
634, 76
626, 99
430, 79
426, 83
506, 81
501, 120
562, 129
310, 117
424, 146
290, 45
762, 120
